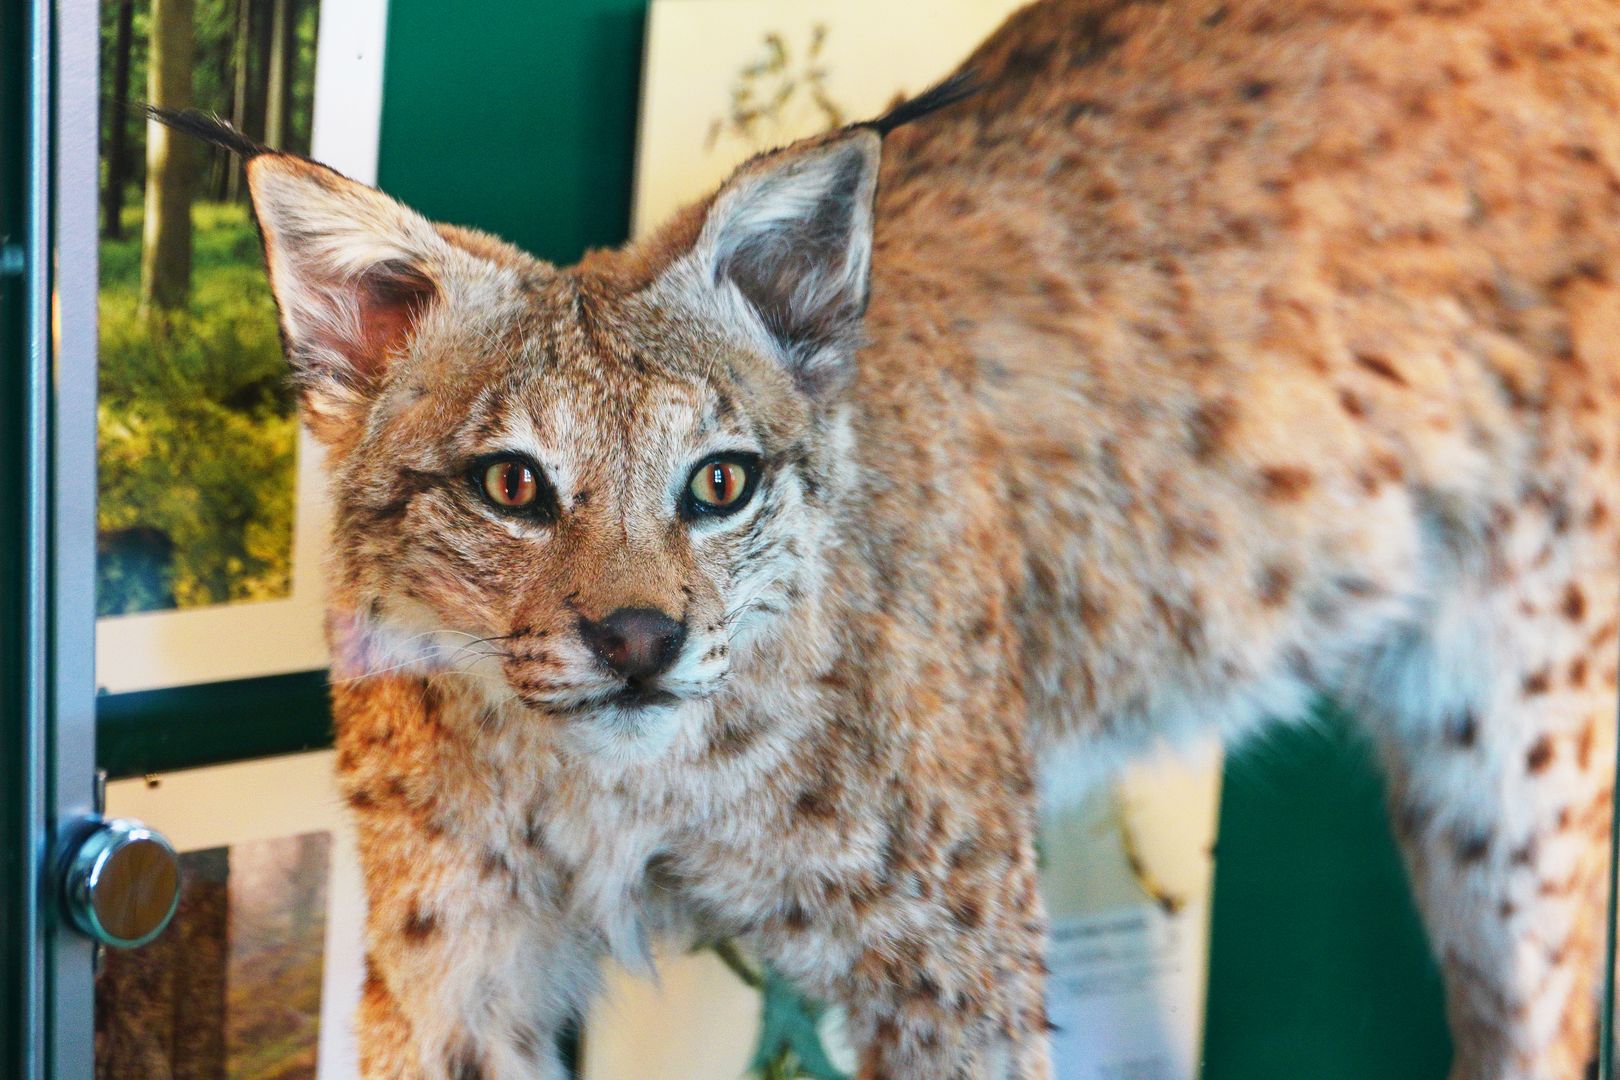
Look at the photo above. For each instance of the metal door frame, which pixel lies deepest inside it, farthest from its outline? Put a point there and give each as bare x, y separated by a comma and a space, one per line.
49, 51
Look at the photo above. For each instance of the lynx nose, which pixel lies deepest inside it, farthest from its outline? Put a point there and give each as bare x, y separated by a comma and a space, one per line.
637, 643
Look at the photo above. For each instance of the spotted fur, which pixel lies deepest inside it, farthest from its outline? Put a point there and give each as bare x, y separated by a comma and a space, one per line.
1216, 354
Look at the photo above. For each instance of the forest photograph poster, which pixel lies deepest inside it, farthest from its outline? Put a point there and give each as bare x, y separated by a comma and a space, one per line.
259, 974
233, 988
197, 425
209, 520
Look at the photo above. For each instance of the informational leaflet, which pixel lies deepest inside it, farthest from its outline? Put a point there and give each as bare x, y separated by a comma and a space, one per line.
1126, 993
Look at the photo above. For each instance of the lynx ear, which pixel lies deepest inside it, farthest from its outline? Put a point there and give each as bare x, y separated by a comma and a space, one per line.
791, 234
352, 271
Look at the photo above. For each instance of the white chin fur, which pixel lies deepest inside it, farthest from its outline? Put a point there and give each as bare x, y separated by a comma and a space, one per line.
624, 736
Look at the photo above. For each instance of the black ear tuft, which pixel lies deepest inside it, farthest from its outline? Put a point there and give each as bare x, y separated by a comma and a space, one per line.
210, 129
959, 87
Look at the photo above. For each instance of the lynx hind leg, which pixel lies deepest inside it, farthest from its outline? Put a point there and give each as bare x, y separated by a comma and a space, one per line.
1500, 744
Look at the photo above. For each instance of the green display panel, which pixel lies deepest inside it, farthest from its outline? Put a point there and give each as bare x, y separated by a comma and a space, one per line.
1320, 968
515, 116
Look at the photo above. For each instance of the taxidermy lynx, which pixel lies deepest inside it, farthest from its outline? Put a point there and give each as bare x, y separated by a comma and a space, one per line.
1211, 356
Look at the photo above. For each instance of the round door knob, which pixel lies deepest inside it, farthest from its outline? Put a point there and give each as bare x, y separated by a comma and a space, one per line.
122, 883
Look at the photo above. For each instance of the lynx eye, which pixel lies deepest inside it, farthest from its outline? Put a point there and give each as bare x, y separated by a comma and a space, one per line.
721, 485
513, 484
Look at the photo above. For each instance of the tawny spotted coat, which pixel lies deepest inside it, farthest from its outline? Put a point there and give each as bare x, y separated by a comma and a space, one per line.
1218, 353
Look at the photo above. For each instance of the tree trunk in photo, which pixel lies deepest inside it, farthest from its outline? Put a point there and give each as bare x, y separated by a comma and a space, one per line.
117, 152
203, 926
300, 73
306, 891
259, 50
135, 1011
223, 162
170, 160
240, 52
276, 78
306, 110
289, 114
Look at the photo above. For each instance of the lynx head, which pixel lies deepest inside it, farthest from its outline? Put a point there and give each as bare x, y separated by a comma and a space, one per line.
595, 490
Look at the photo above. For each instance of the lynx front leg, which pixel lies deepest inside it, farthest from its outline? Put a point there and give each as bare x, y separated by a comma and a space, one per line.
1502, 788
908, 1040
470, 971
464, 981
964, 1000
937, 956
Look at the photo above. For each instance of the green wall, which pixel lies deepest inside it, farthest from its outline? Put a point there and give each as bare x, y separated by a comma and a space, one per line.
1319, 969
515, 116
518, 116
